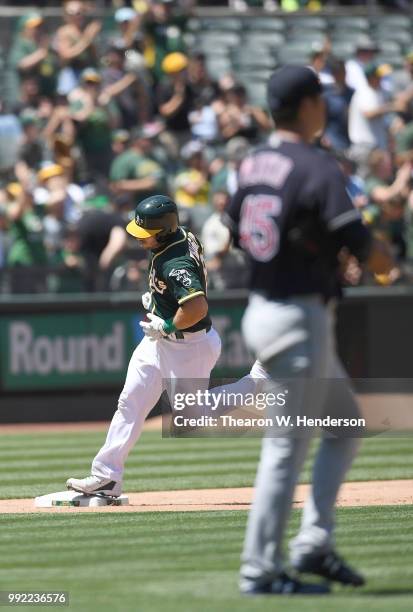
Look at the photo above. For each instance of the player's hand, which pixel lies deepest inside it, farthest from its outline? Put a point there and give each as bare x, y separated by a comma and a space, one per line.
155, 329
146, 300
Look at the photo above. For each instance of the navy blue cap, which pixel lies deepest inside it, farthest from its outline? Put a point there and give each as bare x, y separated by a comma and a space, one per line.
290, 84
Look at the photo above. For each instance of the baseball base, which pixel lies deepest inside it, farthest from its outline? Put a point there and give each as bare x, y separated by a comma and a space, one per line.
79, 500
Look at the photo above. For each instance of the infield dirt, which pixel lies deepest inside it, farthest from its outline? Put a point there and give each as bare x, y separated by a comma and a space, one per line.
372, 493
367, 493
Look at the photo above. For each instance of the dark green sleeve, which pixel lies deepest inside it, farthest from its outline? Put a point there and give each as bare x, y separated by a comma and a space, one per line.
183, 279
19, 50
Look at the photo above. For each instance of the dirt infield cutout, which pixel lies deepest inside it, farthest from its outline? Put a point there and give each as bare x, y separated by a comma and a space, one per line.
372, 493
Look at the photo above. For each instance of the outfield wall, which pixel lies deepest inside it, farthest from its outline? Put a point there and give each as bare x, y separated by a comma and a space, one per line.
66, 358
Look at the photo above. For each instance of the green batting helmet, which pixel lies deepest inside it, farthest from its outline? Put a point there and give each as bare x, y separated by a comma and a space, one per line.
154, 216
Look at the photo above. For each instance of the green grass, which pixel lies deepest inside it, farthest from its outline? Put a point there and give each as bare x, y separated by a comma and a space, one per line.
35, 464
186, 562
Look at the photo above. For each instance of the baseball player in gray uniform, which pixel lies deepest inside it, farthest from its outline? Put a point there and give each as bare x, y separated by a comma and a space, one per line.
292, 216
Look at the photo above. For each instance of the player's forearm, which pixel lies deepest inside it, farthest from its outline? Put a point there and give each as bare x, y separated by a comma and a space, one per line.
143, 184
30, 61
67, 52
172, 106
117, 242
120, 85
191, 312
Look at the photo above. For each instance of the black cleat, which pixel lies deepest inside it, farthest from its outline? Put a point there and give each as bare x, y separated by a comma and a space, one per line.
286, 585
330, 566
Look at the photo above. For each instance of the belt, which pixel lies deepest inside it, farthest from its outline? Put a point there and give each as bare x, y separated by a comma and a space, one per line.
180, 335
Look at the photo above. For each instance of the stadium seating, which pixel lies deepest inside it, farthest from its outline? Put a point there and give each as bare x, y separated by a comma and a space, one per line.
252, 46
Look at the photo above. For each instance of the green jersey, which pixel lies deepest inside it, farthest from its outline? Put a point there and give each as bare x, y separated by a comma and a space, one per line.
27, 247
131, 165
177, 274
45, 71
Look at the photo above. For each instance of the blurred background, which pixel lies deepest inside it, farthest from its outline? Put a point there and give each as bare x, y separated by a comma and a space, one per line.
104, 103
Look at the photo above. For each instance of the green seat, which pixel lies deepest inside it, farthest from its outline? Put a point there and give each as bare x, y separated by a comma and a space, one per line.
254, 61
258, 39
395, 60
299, 46
313, 23
343, 50
390, 47
394, 21
217, 67
226, 39
257, 93
345, 36
269, 23
287, 55
403, 37
361, 24
193, 25
306, 35
254, 76
228, 24
210, 50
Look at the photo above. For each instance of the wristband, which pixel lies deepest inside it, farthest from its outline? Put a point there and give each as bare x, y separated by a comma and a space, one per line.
169, 326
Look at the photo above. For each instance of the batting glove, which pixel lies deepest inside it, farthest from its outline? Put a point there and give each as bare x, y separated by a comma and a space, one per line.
157, 328
146, 300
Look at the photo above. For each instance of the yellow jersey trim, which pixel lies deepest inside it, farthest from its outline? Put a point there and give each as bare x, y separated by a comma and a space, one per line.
190, 296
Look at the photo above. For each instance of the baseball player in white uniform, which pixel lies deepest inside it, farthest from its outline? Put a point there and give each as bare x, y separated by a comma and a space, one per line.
180, 346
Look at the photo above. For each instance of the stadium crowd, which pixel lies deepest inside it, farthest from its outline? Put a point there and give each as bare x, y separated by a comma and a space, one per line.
100, 120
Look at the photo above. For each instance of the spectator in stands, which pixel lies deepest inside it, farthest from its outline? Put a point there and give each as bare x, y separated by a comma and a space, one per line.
366, 51
102, 239
203, 118
227, 267
338, 97
225, 176
55, 185
355, 185
68, 264
27, 253
93, 120
402, 81
4, 237
408, 236
388, 196
318, 62
175, 97
164, 33
126, 88
192, 184
381, 185
368, 128
204, 122
75, 45
32, 150
128, 22
404, 144
120, 140
238, 118
31, 55
204, 87
29, 94
135, 172
215, 235
10, 141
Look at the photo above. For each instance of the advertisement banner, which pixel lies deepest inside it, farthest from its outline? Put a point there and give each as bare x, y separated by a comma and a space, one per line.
92, 349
